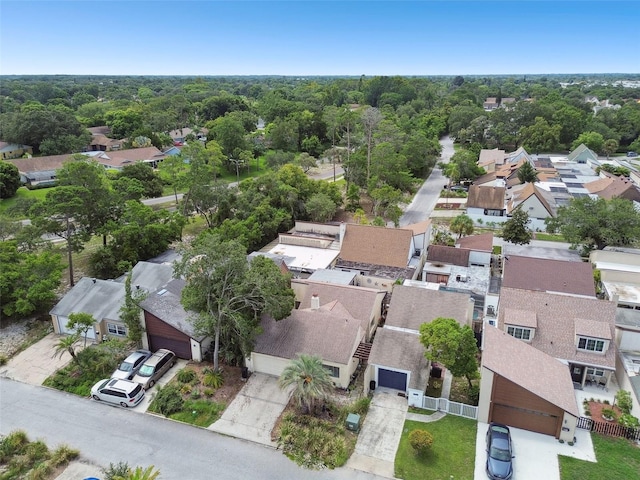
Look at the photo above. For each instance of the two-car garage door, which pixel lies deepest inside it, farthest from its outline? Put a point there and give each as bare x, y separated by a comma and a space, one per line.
162, 335
520, 408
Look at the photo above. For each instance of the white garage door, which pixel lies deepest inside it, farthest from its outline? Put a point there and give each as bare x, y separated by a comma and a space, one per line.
268, 364
62, 324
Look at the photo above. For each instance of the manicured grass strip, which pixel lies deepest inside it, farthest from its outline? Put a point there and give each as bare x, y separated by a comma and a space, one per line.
451, 456
618, 459
548, 237
23, 193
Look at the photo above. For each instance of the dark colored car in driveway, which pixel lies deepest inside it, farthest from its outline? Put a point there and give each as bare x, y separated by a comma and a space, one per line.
499, 452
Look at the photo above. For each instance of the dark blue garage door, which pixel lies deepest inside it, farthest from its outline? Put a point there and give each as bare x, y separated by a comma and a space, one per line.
391, 379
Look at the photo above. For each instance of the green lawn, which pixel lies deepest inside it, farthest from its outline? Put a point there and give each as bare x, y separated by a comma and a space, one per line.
22, 193
618, 459
452, 455
549, 237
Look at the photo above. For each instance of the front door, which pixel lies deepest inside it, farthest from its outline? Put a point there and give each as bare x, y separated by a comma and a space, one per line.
576, 373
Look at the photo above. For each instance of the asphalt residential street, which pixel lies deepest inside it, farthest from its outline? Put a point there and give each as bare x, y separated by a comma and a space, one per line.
105, 434
425, 199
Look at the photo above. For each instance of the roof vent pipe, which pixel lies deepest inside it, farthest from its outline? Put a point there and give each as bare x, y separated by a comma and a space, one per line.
315, 302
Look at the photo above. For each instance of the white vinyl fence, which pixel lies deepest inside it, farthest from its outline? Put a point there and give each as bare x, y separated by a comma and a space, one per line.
454, 408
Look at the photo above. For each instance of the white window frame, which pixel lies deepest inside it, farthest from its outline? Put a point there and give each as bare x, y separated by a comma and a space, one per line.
521, 333
116, 329
594, 343
598, 372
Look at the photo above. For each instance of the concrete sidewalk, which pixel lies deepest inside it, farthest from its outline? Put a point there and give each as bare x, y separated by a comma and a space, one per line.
37, 362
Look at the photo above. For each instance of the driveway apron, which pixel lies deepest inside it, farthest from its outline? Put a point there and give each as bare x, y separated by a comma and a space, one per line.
255, 410
34, 364
379, 437
536, 455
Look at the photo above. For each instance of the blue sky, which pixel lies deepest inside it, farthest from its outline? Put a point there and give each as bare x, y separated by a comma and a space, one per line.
318, 37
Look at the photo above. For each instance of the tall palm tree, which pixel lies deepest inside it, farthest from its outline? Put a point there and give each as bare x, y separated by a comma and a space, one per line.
527, 174
310, 380
67, 344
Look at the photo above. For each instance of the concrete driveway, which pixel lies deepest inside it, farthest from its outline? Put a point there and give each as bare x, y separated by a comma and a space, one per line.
34, 364
380, 434
253, 413
536, 454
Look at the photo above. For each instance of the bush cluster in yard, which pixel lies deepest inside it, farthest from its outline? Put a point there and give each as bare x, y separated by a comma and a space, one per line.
315, 442
92, 364
167, 400
420, 440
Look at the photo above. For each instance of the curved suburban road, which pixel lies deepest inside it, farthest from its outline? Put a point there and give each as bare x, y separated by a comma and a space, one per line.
105, 434
425, 199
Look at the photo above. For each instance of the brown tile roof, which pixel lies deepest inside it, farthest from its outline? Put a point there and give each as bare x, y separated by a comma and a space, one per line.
399, 350
522, 318
529, 368
449, 255
556, 316
39, 164
524, 193
122, 158
541, 274
479, 243
486, 197
328, 334
598, 185
418, 228
614, 187
376, 245
410, 307
486, 178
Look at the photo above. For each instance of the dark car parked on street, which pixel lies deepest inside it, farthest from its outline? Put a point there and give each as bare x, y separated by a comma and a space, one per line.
499, 452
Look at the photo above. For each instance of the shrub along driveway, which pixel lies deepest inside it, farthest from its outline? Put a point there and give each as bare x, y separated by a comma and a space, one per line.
255, 410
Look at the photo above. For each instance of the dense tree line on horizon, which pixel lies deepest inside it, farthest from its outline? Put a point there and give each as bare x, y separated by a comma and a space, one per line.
384, 131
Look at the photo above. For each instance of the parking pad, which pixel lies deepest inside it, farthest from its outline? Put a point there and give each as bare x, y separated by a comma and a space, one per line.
255, 410
536, 455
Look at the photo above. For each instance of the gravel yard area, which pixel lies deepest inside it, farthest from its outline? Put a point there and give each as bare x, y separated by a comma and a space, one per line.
14, 334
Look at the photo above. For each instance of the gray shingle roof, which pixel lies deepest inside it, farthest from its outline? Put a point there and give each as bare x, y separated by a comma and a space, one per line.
165, 305
410, 307
332, 335
400, 350
359, 301
100, 298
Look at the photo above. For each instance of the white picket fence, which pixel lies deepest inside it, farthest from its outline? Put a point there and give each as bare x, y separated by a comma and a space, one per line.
454, 408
